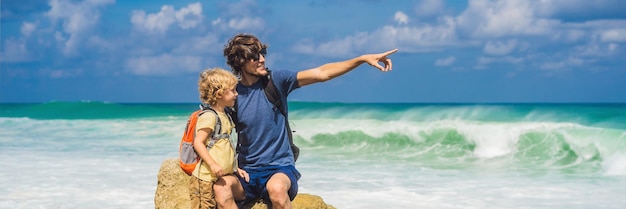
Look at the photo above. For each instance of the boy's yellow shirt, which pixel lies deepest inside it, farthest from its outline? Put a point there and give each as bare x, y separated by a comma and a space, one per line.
222, 151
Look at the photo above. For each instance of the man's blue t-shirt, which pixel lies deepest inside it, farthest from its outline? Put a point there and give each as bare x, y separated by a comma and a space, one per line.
262, 134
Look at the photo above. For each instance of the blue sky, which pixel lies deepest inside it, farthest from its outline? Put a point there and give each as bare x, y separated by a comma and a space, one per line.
475, 51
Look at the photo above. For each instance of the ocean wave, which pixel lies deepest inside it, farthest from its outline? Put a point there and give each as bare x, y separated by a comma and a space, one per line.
567, 147
567, 138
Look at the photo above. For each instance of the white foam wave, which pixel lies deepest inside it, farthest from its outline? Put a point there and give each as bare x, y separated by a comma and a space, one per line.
491, 139
615, 165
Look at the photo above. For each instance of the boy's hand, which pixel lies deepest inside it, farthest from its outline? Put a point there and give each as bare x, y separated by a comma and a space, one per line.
243, 174
217, 170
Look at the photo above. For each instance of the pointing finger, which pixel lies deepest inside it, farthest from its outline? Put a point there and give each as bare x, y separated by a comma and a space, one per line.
390, 52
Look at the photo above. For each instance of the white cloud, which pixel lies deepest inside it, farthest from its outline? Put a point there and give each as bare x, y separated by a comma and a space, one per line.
77, 19
563, 64
595, 50
100, 44
216, 21
421, 38
61, 73
14, 51
58, 36
427, 8
497, 27
190, 16
191, 54
570, 35
414, 38
158, 22
28, 28
249, 23
500, 48
200, 45
187, 18
485, 18
240, 16
445, 61
613, 47
342, 47
164, 64
613, 35
507, 59
401, 18
305, 46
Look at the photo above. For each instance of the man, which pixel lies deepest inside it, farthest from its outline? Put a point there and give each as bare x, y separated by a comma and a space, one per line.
264, 147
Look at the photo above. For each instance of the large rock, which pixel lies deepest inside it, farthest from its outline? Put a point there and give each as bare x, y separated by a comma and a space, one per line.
172, 191
173, 186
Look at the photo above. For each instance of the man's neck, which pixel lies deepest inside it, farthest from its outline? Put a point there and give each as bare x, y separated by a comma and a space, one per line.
249, 79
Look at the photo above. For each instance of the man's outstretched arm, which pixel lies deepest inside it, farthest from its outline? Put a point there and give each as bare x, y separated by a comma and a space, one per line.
332, 70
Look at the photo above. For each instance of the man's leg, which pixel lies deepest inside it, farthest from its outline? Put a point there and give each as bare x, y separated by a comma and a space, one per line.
277, 188
227, 189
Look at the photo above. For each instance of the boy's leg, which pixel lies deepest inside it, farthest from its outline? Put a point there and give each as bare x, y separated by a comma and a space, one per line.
228, 189
201, 193
194, 192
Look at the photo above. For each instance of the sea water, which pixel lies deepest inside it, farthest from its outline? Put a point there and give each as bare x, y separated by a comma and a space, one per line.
105, 155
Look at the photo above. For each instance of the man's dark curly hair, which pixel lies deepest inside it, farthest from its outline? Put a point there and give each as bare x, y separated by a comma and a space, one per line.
241, 49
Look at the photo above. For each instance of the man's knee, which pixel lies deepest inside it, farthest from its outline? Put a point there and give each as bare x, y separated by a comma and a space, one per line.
278, 185
278, 188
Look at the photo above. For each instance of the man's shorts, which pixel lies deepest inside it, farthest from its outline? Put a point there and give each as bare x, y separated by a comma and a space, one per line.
256, 188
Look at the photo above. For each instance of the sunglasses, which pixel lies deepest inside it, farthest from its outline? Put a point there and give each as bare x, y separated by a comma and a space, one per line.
263, 52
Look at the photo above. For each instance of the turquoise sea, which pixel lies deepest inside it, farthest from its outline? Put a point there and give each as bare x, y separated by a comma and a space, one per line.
107, 155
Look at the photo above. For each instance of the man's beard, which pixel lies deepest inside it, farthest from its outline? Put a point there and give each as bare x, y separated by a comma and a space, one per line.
258, 74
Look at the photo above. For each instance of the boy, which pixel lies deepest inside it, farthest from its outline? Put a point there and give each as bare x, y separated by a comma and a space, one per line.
217, 90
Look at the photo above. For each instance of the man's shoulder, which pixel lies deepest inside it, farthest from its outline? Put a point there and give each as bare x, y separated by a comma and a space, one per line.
285, 79
283, 74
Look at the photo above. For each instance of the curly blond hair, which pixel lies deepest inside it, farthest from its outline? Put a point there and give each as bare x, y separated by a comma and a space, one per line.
213, 83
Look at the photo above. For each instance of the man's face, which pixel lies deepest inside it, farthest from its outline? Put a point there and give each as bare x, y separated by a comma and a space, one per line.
256, 65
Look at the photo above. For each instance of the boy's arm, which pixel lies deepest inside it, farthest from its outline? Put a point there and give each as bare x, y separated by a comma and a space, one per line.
200, 147
332, 70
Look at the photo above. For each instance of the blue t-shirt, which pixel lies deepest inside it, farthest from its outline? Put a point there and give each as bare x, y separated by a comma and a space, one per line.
262, 135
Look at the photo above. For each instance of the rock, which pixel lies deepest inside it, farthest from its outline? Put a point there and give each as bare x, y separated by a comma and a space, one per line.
172, 187
172, 191
307, 201
302, 201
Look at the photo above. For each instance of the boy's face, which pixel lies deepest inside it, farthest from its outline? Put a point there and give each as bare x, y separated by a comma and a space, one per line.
229, 97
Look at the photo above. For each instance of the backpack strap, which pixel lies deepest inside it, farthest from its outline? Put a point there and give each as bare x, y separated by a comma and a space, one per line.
271, 91
217, 130
274, 96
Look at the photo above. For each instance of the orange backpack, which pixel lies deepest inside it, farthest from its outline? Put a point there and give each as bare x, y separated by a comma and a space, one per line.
188, 158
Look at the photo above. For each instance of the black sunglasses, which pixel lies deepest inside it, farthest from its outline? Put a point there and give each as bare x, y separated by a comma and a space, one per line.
263, 52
